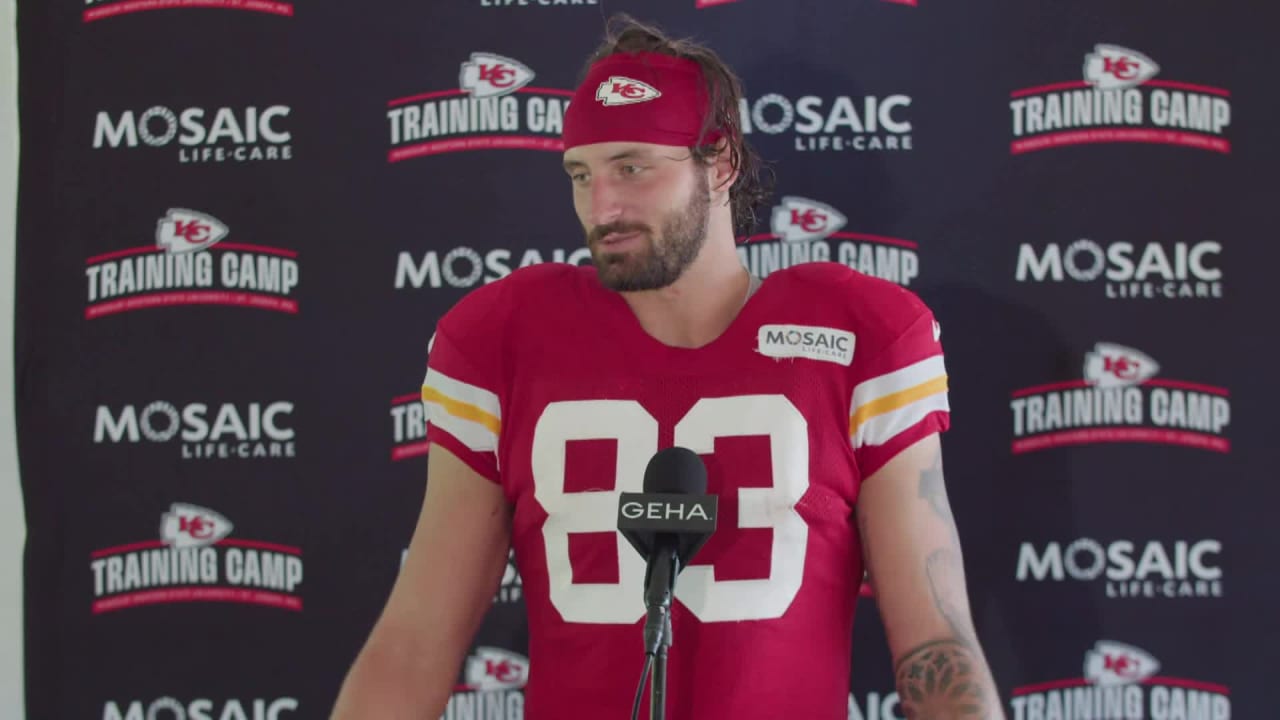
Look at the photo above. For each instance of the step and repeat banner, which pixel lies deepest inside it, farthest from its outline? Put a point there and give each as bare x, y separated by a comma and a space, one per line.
240, 220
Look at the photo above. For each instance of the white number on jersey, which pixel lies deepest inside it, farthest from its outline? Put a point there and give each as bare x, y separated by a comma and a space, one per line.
636, 433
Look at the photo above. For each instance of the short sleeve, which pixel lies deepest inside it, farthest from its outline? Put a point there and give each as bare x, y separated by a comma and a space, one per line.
461, 399
901, 396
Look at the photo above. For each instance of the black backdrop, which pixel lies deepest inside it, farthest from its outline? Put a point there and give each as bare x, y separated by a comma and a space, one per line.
210, 324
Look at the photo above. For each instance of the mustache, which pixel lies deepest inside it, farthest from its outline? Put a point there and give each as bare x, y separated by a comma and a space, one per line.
598, 232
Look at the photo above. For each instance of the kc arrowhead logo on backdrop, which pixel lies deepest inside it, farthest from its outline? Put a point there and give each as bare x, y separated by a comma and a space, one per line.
491, 668
493, 108
1111, 365
798, 219
188, 525
620, 90
1118, 99
805, 230
1111, 67
183, 230
1113, 663
488, 75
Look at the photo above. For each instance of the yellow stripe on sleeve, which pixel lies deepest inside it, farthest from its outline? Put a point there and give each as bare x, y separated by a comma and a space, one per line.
889, 403
461, 410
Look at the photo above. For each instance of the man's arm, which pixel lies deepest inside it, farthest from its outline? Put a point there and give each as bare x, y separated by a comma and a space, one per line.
409, 664
913, 554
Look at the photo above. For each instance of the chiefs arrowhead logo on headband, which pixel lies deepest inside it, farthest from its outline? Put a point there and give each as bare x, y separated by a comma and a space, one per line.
639, 97
619, 90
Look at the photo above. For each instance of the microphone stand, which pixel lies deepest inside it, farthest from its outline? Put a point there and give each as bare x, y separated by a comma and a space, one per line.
657, 628
658, 688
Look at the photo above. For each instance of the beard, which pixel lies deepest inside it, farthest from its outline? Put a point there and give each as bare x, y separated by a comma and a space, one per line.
659, 262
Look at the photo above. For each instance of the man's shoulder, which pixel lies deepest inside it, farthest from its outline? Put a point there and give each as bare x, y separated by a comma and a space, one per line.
865, 302
527, 288
540, 274
827, 275
490, 325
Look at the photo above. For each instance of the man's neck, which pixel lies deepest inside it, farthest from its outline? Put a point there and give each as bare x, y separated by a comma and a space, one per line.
700, 306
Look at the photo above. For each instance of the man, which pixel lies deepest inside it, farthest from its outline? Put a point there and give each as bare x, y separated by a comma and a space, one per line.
815, 399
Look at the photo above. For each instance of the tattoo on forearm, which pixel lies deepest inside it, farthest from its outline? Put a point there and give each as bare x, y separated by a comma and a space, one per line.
933, 490
943, 680
946, 582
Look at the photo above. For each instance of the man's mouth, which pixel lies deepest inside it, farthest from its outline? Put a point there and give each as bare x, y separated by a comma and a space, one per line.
617, 239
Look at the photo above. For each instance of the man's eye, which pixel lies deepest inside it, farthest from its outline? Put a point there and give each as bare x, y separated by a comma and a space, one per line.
578, 177
631, 169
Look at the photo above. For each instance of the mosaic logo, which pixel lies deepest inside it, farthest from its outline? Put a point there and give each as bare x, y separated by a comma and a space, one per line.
245, 431
839, 123
1127, 569
1126, 271
467, 267
225, 134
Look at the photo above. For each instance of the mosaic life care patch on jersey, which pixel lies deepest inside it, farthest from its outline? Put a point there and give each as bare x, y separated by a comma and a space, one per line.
806, 341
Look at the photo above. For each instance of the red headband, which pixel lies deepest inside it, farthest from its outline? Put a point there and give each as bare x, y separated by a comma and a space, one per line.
639, 97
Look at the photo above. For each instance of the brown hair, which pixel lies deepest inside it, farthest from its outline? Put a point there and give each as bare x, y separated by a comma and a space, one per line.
751, 189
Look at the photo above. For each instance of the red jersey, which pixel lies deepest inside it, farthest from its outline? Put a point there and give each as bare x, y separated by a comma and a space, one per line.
545, 383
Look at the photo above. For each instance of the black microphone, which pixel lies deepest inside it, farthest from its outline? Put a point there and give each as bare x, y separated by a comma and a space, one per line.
667, 523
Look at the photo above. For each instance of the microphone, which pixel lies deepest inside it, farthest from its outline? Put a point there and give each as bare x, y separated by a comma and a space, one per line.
667, 524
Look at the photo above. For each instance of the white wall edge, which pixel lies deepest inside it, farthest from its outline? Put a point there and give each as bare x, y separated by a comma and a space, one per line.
12, 526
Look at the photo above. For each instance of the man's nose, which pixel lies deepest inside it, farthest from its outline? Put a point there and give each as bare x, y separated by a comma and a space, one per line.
606, 203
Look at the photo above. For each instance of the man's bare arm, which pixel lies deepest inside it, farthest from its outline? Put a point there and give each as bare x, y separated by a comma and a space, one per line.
409, 664
913, 554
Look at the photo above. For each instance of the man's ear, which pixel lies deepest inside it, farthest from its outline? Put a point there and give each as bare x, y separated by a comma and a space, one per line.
723, 173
